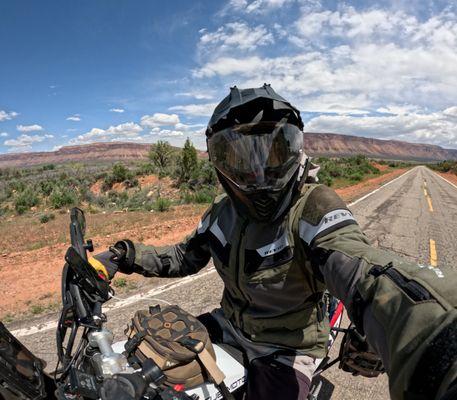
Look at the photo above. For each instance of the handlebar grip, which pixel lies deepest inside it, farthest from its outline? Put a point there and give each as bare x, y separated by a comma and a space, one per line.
118, 253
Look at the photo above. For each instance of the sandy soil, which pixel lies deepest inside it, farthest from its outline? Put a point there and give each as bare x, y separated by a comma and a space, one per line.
30, 278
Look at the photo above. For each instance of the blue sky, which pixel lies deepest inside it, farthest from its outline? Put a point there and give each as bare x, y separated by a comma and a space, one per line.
86, 71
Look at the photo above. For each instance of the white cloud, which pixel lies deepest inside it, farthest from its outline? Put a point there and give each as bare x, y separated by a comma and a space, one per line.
4, 134
196, 95
75, 117
437, 127
117, 110
5, 115
29, 128
373, 62
199, 110
255, 6
24, 142
451, 111
167, 133
125, 131
159, 119
235, 36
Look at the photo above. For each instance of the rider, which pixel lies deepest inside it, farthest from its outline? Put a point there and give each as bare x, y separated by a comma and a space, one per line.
278, 243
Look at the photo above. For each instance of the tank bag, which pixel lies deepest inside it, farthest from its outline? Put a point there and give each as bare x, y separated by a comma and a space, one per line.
178, 343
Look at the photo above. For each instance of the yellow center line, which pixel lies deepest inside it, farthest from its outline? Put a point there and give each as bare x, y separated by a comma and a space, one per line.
433, 256
425, 192
430, 205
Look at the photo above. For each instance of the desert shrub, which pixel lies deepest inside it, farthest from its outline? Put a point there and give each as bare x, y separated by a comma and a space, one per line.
356, 176
162, 204
445, 166
120, 173
130, 183
46, 187
37, 309
45, 218
101, 201
61, 197
145, 168
48, 167
17, 185
207, 173
188, 162
120, 282
139, 200
204, 196
161, 154
25, 200
352, 169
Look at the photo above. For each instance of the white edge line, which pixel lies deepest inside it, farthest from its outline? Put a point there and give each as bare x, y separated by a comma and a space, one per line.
119, 304
444, 179
380, 187
169, 286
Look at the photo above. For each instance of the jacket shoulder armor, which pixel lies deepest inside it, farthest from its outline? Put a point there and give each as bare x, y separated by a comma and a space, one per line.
323, 212
320, 202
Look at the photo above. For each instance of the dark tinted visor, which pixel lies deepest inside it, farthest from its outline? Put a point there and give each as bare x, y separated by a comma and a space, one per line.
263, 155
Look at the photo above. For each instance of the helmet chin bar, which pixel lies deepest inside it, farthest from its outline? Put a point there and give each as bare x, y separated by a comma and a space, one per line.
262, 205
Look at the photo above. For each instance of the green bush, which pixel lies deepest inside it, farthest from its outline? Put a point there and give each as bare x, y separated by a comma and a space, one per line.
161, 154
18, 186
61, 197
45, 218
200, 196
48, 167
188, 162
146, 168
25, 200
120, 282
120, 173
47, 187
162, 204
353, 168
207, 173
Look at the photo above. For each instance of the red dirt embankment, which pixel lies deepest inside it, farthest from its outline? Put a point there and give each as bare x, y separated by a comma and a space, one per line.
449, 176
353, 192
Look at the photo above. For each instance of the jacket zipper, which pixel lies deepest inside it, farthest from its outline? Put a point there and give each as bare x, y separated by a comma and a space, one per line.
240, 268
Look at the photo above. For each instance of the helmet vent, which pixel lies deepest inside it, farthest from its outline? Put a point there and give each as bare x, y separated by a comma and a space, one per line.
264, 206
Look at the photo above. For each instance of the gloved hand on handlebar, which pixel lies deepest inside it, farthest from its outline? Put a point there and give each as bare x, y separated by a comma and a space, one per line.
119, 257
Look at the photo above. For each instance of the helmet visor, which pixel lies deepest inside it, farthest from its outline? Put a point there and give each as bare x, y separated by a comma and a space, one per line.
256, 156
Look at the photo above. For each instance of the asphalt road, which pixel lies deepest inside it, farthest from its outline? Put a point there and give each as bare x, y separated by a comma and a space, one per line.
415, 215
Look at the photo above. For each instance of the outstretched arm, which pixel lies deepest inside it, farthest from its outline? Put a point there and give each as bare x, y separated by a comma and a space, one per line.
407, 311
185, 258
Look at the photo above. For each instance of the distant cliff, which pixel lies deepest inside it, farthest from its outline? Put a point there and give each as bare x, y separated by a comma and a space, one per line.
324, 144
331, 144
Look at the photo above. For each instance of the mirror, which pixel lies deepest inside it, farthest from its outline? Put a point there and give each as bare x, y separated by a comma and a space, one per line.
77, 218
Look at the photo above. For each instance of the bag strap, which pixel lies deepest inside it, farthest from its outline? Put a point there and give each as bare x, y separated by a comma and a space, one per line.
209, 363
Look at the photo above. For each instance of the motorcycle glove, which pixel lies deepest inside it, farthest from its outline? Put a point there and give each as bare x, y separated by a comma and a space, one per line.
118, 258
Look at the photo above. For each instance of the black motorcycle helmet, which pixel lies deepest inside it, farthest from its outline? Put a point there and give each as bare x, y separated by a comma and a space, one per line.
255, 142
